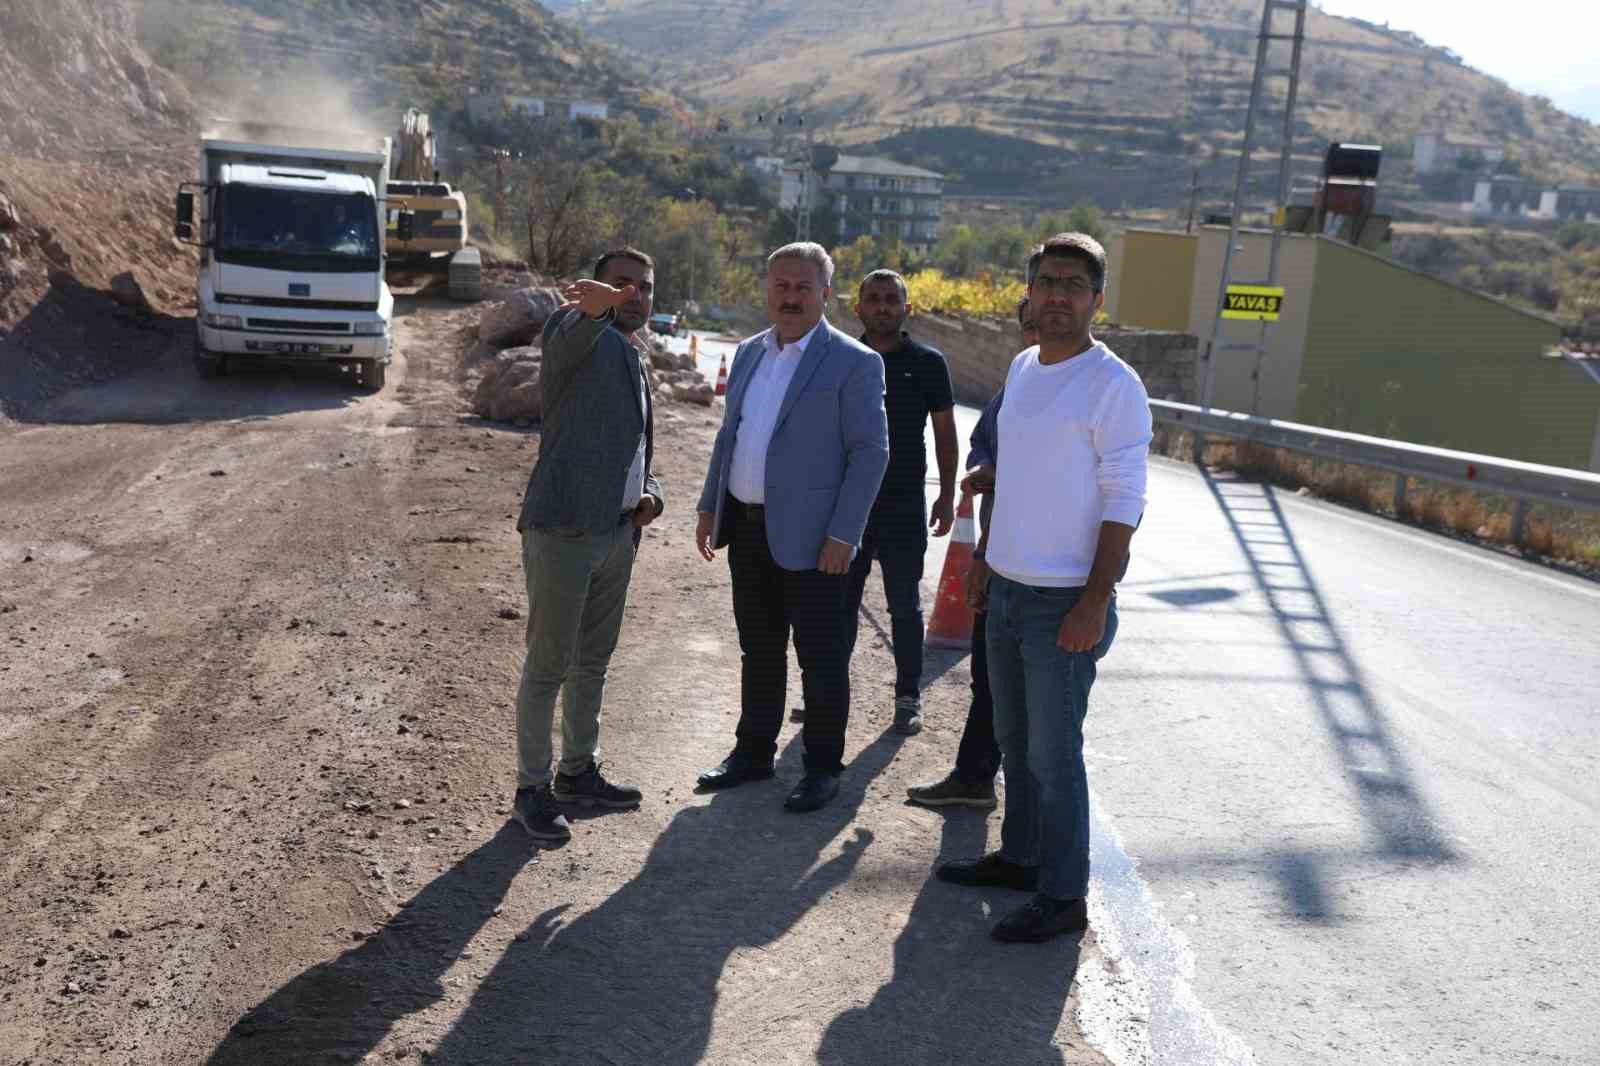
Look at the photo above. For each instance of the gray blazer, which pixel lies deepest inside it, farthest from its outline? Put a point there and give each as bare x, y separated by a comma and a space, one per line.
591, 384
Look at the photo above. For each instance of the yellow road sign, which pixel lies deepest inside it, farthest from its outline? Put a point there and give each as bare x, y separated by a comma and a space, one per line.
1253, 303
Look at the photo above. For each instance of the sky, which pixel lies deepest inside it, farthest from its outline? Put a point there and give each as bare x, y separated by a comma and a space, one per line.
1549, 47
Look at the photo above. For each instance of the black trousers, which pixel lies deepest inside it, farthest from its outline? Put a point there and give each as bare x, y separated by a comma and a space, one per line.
978, 758
897, 536
768, 603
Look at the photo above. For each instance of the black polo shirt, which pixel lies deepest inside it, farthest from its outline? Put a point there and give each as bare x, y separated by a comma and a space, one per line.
916, 383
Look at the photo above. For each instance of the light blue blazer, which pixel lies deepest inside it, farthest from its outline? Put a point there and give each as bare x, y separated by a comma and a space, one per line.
828, 452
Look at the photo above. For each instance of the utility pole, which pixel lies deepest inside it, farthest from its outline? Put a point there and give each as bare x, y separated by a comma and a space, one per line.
499, 188
1217, 345
781, 123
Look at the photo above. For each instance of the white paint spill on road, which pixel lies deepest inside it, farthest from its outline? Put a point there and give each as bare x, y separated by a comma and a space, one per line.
1136, 1002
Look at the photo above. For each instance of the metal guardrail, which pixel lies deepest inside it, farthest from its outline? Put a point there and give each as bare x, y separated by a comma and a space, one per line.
1524, 483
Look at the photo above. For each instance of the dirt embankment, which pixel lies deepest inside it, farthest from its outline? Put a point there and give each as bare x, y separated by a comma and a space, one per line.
93, 141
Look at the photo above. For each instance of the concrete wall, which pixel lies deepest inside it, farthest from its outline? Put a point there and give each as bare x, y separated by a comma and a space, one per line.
1151, 282
980, 351
1276, 394
1395, 353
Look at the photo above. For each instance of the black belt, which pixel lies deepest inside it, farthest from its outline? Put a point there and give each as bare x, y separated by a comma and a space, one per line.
750, 512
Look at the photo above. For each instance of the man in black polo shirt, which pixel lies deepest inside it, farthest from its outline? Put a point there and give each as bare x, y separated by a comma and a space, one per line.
917, 387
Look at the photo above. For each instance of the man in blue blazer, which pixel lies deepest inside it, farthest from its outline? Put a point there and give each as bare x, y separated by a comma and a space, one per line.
796, 466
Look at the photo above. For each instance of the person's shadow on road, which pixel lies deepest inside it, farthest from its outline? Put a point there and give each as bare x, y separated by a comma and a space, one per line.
956, 995
339, 1010
638, 978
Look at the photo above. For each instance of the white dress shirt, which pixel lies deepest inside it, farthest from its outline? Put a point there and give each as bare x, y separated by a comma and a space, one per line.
633, 487
758, 415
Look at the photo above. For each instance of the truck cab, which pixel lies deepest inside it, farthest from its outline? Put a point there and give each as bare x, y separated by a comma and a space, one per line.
292, 255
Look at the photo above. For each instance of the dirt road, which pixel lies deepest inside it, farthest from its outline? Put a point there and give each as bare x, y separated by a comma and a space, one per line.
256, 758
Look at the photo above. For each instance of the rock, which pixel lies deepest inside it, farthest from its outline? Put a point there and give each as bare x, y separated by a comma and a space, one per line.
402, 805
120, 933
701, 394
663, 360
510, 614
9, 219
510, 389
125, 289
56, 253
519, 319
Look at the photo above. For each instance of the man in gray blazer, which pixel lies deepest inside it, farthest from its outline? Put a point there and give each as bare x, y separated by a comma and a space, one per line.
793, 475
589, 497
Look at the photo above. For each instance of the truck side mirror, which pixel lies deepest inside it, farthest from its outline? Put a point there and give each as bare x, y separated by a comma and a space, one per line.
183, 215
406, 226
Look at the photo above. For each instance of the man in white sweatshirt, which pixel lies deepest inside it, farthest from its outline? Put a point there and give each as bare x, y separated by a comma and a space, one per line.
1074, 435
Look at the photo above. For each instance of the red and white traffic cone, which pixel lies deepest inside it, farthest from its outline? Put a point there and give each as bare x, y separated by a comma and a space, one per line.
722, 378
951, 624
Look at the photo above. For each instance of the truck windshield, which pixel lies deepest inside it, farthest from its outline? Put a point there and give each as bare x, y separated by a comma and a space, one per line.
294, 230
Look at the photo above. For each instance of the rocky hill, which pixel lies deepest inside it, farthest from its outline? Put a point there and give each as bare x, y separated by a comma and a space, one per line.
1061, 98
383, 55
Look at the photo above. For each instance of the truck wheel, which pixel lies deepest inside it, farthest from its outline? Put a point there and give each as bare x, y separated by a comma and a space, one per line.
209, 364
372, 375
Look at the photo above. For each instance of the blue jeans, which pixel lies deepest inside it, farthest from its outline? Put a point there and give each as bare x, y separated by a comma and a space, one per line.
1041, 695
898, 539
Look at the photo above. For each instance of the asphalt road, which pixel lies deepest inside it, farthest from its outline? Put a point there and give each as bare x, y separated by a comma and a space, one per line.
1346, 785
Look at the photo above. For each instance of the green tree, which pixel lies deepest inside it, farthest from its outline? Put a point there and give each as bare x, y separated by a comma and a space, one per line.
960, 252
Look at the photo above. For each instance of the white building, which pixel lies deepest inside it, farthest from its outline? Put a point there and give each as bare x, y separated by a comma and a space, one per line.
1432, 152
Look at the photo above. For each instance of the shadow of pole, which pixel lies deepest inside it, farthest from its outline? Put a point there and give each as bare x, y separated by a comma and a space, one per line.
956, 995
639, 978
343, 1008
1353, 719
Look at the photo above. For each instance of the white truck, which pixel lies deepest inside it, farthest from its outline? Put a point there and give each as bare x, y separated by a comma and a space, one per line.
291, 239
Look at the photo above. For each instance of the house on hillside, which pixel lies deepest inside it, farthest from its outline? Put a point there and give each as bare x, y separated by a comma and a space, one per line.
1502, 194
1570, 203
1433, 153
492, 107
880, 197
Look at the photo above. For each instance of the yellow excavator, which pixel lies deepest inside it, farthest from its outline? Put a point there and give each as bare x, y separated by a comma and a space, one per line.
439, 211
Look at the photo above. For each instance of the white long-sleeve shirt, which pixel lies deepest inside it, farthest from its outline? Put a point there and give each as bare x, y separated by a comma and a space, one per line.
758, 416
1074, 443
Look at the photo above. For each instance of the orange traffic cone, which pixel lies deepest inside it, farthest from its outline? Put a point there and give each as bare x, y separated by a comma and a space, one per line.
722, 378
951, 624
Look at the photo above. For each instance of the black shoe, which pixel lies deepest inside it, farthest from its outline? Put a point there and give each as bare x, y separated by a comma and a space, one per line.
813, 792
736, 769
590, 789
536, 811
953, 791
991, 871
907, 715
1042, 918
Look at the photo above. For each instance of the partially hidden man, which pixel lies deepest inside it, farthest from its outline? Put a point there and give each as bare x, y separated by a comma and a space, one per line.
589, 498
917, 390
793, 475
